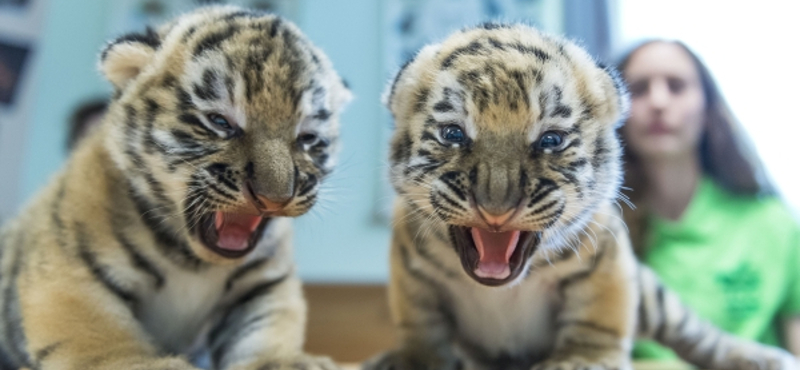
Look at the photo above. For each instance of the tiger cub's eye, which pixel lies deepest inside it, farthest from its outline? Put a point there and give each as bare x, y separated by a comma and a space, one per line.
220, 121
307, 139
550, 140
453, 134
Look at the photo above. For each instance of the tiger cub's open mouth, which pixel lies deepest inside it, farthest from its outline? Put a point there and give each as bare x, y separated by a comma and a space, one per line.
493, 258
231, 235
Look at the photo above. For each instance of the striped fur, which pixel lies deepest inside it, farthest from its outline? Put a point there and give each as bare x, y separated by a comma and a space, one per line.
105, 268
538, 118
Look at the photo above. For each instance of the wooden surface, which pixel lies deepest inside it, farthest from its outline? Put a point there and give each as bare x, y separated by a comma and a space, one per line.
349, 323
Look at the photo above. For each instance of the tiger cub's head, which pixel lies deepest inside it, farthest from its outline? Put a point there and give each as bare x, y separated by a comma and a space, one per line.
507, 135
223, 119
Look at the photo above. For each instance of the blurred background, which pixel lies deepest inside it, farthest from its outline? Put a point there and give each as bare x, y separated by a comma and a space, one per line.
48, 52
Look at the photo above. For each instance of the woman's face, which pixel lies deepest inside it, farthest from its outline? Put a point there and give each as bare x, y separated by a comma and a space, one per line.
667, 102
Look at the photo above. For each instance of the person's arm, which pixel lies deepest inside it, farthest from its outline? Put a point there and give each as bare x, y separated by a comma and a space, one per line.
791, 330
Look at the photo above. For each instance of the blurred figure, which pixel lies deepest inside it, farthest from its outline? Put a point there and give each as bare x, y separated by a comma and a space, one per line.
86, 116
706, 219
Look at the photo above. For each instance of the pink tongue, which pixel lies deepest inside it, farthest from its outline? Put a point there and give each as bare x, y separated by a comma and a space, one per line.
234, 230
494, 250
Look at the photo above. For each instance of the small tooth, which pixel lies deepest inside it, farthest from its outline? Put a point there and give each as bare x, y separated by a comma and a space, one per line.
219, 218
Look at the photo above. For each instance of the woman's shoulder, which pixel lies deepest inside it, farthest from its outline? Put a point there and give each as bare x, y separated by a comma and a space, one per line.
766, 212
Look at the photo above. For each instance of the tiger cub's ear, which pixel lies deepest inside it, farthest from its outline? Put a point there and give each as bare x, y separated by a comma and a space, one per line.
124, 58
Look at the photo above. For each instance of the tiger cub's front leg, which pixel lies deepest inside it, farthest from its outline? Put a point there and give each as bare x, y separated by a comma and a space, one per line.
73, 322
419, 311
596, 324
263, 330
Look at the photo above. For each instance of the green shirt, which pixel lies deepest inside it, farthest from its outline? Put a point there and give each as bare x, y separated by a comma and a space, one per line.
733, 259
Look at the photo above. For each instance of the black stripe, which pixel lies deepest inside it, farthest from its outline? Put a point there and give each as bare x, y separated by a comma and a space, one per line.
246, 327
185, 102
444, 106
157, 190
644, 315
443, 212
14, 342
543, 188
552, 216
166, 239
576, 164
275, 27
138, 259
425, 153
231, 320
448, 179
213, 40
426, 167
661, 312
42, 354
322, 114
473, 48
244, 270
310, 199
544, 207
207, 91
239, 14
427, 136
421, 100
572, 143
582, 275
524, 49
223, 174
418, 274
194, 121
99, 271
149, 38
55, 214
562, 111
219, 191
569, 176
451, 201
308, 186
401, 150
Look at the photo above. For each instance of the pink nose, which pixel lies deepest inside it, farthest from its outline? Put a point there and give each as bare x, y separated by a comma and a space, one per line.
268, 205
496, 220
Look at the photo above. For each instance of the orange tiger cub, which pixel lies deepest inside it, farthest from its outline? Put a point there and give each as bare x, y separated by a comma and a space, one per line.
166, 237
507, 251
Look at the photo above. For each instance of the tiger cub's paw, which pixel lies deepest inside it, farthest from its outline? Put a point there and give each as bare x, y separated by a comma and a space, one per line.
578, 363
302, 362
401, 360
762, 358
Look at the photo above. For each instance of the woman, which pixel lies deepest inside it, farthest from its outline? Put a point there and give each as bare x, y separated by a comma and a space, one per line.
705, 218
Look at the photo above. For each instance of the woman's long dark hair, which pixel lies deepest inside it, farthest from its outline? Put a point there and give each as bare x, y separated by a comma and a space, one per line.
726, 155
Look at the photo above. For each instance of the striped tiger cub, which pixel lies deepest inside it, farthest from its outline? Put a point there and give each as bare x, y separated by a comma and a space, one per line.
167, 233
507, 249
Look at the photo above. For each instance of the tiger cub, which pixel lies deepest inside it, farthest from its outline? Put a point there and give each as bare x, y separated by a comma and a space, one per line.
507, 250
168, 231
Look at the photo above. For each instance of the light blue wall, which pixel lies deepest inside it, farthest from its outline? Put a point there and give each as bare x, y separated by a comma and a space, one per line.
339, 240
73, 33
343, 241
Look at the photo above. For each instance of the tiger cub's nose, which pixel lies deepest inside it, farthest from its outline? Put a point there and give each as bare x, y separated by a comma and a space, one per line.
495, 221
263, 203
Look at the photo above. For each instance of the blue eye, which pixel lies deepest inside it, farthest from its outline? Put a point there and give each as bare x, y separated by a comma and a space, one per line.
453, 134
551, 140
220, 121
308, 139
